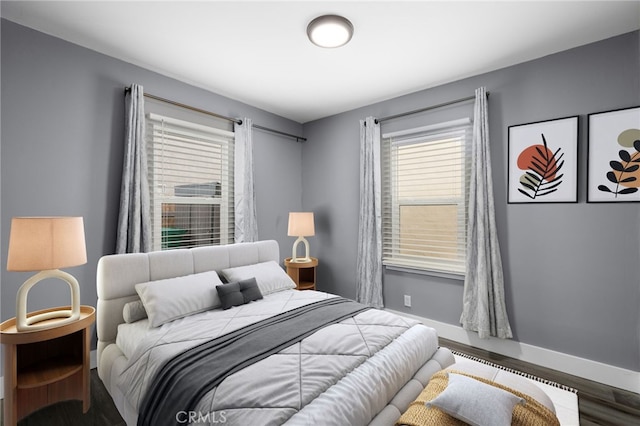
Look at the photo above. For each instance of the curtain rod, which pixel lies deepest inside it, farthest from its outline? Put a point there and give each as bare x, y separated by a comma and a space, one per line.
297, 138
415, 111
213, 114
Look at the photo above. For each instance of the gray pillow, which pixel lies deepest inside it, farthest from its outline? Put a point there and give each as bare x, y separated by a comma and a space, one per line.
134, 311
475, 402
269, 275
250, 290
238, 293
172, 298
230, 295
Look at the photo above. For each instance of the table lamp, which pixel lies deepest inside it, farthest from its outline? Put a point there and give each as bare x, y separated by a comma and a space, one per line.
301, 225
46, 244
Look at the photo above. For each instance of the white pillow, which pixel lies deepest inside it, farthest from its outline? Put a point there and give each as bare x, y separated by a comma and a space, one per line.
475, 402
270, 276
173, 298
134, 311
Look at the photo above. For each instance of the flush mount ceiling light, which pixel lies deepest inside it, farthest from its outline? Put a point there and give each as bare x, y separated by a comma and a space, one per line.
330, 31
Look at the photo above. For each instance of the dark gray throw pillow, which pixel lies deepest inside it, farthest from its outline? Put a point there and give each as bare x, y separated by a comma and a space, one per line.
250, 290
238, 293
230, 295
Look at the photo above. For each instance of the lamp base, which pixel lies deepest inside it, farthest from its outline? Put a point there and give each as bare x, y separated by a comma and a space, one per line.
37, 322
300, 260
294, 255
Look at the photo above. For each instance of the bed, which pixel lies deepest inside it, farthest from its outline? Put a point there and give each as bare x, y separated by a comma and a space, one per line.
356, 366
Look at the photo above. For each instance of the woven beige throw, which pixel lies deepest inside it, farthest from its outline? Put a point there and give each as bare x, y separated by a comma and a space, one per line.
418, 414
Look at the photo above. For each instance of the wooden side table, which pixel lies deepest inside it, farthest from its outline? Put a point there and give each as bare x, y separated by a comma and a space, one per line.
43, 367
303, 274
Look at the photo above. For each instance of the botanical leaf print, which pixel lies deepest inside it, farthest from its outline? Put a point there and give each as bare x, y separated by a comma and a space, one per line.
625, 172
542, 167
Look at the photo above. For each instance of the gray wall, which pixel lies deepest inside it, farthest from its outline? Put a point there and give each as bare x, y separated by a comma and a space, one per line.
572, 271
62, 126
62, 149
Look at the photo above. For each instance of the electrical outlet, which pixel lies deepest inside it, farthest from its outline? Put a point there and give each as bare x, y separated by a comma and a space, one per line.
407, 300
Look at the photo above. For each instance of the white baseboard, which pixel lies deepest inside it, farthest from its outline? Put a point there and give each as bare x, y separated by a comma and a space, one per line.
93, 363
570, 364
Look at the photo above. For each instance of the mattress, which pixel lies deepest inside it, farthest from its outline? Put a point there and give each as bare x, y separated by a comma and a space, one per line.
344, 373
130, 334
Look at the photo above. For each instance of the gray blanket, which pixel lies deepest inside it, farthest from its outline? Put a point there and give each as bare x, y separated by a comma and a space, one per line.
183, 381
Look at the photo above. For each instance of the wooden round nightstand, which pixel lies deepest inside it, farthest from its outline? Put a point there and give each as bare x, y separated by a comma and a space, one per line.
46, 366
302, 273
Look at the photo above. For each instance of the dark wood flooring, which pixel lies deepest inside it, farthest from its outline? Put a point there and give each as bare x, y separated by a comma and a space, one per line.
599, 404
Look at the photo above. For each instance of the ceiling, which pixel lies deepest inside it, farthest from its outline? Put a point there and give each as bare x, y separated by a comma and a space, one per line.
258, 53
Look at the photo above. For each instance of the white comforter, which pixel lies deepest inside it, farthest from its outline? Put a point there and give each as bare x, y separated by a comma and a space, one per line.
343, 374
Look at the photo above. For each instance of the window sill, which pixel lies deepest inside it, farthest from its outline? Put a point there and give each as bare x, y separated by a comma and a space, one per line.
441, 274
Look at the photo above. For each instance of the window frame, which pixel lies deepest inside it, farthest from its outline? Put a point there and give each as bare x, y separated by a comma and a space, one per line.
157, 187
392, 203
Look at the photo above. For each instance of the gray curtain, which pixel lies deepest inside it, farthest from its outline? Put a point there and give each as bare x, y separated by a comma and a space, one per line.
369, 262
484, 309
134, 220
246, 218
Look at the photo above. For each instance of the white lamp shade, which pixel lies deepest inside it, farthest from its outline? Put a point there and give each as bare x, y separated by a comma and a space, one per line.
301, 224
43, 243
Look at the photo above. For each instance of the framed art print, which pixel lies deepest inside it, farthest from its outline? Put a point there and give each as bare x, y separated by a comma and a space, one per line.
543, 162
613, 165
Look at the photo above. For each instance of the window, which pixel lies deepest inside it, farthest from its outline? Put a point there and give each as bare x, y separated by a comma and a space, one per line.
190, 183
424, 196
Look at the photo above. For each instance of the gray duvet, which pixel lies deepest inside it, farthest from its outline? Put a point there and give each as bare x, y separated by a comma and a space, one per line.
343, 374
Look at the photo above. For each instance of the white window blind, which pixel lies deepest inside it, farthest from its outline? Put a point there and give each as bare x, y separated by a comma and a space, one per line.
191, 183
425, 178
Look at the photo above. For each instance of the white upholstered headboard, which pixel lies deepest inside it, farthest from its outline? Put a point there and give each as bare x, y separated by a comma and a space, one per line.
118, 274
